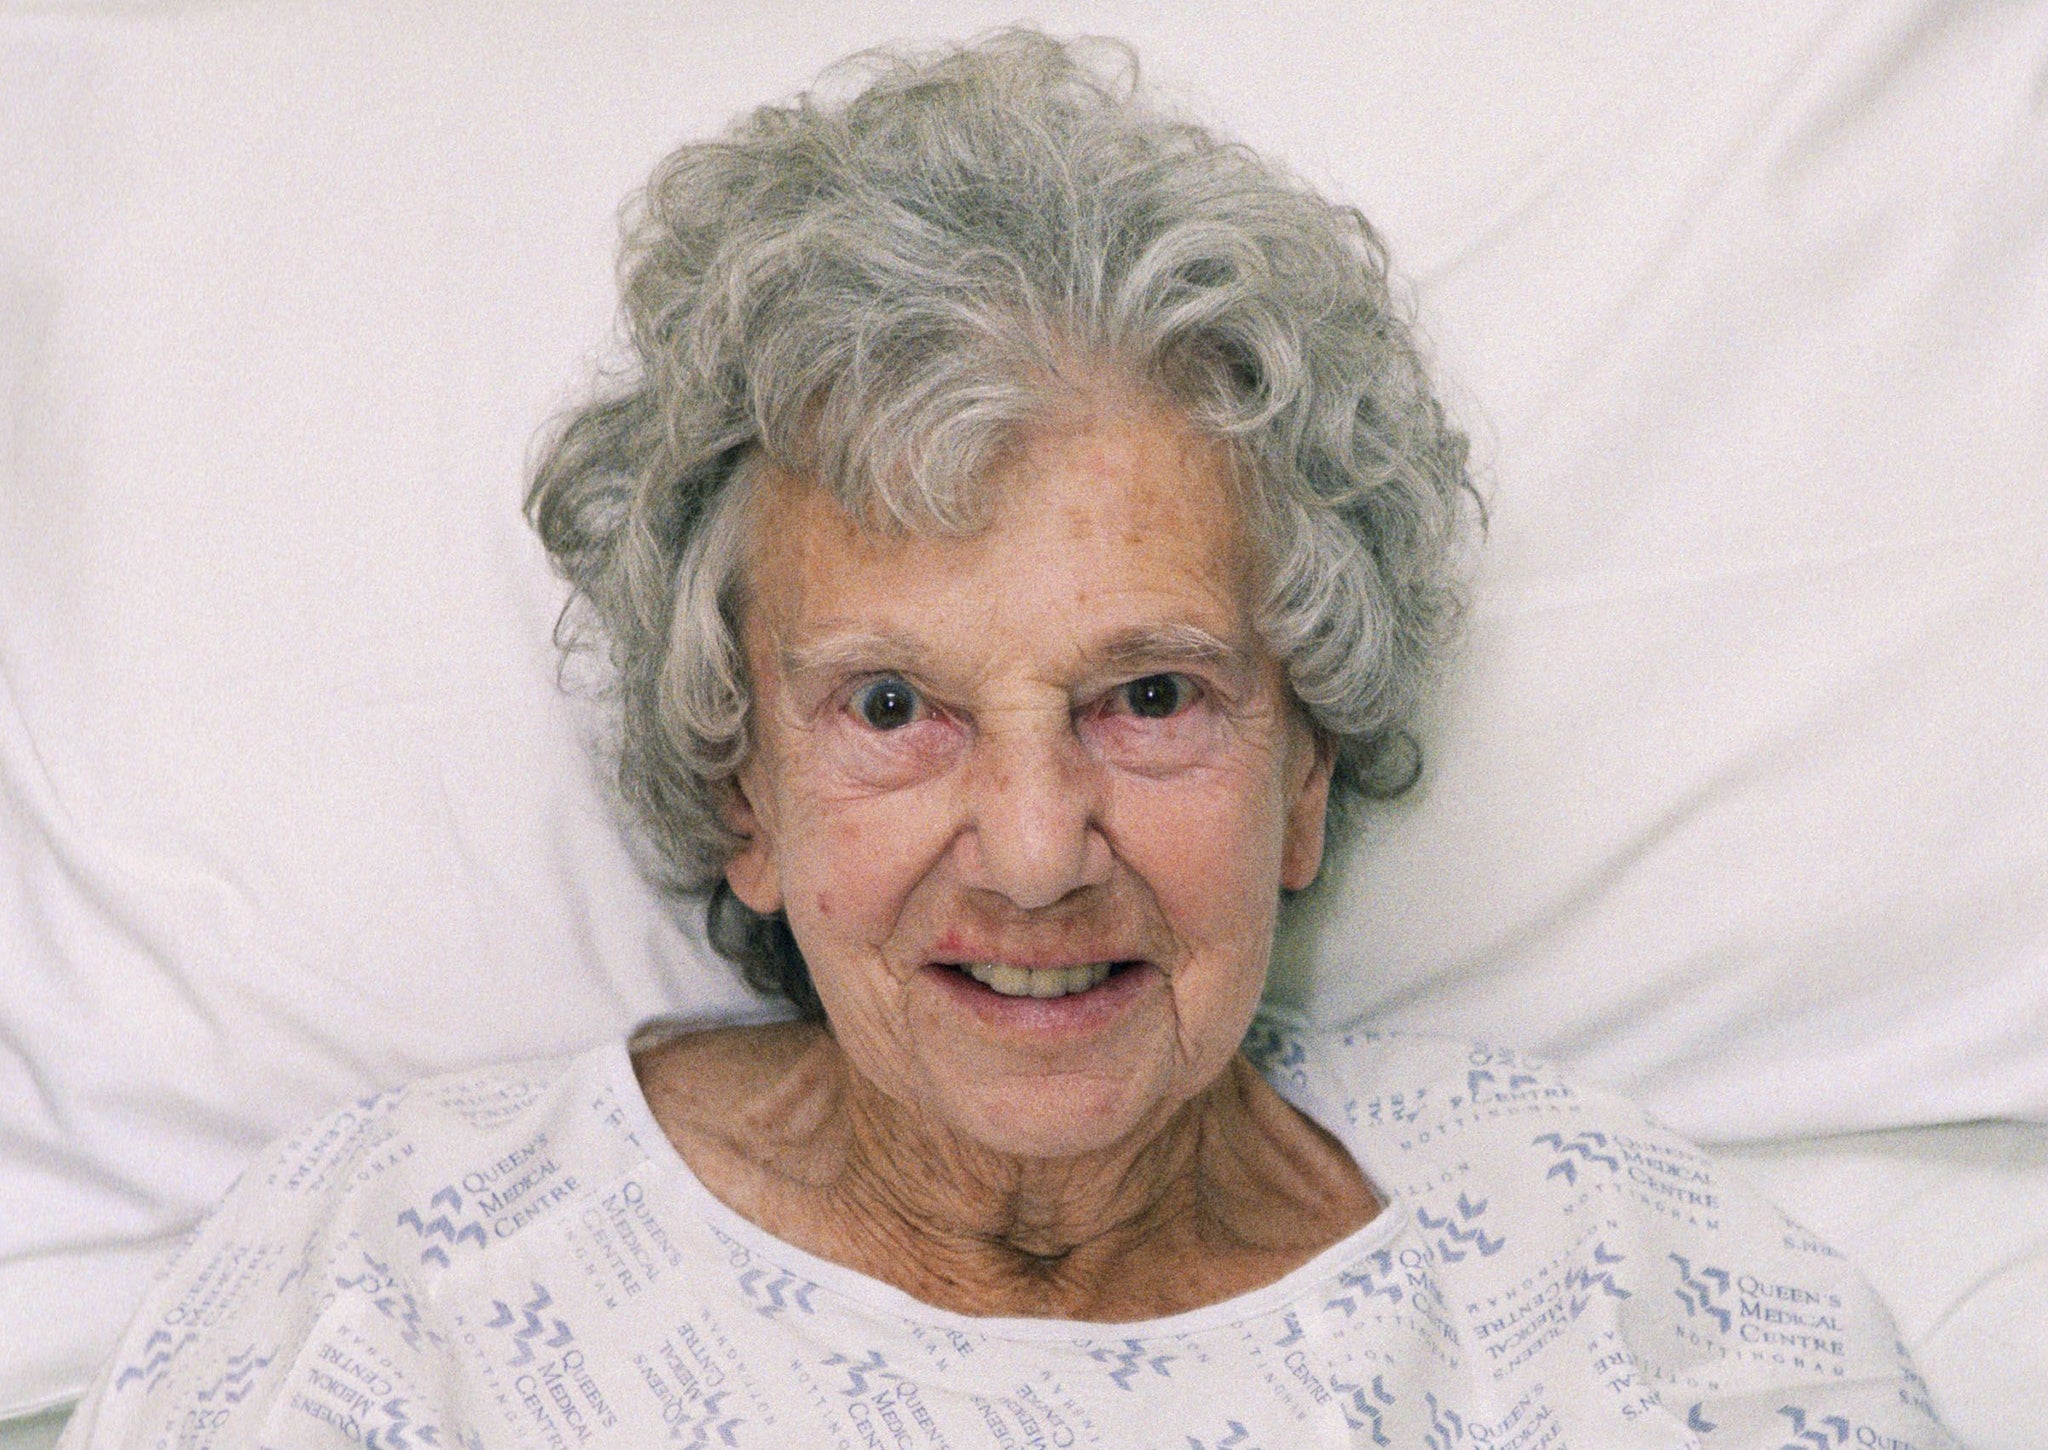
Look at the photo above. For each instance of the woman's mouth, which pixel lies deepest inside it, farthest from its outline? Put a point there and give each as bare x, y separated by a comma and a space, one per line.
1042, 982
1083, 997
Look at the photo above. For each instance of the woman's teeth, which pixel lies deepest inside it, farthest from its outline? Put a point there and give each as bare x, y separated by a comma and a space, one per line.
1039, 982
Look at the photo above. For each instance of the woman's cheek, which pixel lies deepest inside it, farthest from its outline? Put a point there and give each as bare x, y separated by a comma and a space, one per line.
1181, 797
865, 760
1187, 741
858, 862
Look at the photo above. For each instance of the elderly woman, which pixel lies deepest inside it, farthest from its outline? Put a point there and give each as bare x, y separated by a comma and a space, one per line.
1024, 515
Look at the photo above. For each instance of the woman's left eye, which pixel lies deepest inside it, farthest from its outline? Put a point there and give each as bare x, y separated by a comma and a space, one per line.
887, 704
1156, 697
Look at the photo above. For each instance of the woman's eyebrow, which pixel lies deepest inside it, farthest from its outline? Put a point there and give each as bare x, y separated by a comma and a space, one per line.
1173, 644
1141, 647
839, 654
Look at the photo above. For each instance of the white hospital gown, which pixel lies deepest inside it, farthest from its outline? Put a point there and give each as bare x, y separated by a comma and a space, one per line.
516, 1257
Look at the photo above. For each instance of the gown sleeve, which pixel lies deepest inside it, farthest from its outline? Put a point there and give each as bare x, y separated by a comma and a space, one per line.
1584, 1250
280, 1323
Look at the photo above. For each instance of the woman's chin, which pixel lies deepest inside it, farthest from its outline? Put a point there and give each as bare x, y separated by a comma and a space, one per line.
1051, 1077
1065, 1117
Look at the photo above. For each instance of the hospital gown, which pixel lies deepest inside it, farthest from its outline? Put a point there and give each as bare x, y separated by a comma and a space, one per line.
517, 1257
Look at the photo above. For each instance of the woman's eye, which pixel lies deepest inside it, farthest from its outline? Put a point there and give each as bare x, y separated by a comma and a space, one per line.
886, 704
1155, 697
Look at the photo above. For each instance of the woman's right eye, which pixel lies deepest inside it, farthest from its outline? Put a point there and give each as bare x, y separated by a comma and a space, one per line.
887, 704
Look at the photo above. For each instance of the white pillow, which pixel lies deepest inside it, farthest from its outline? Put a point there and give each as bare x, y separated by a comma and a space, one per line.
1740, 795
1734, 796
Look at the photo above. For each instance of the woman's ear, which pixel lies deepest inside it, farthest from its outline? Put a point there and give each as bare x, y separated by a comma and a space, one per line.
751, 872
1301, 852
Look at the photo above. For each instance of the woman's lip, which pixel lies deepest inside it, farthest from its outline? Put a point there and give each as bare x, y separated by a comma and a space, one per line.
1063, 962
1077, 1012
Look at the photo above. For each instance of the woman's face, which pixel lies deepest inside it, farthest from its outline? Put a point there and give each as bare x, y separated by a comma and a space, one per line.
1029, 798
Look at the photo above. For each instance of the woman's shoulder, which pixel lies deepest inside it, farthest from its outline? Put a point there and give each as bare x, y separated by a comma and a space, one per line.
1508, 1146
1387, 1078
472, 1142
1538, 1208
355, 1217
1422, 1108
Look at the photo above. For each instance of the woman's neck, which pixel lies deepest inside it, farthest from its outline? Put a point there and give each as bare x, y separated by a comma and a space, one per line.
1230, 1192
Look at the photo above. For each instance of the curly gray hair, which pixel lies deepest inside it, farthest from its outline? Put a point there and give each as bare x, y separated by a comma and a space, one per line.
882, 283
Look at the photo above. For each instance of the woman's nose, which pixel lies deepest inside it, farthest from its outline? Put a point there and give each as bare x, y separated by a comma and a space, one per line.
1035, 832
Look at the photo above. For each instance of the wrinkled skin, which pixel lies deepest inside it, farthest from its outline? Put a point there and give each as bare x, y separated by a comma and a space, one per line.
1053, 744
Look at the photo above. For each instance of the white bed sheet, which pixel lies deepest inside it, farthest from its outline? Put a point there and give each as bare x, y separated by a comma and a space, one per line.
1951, 1225
33, 1432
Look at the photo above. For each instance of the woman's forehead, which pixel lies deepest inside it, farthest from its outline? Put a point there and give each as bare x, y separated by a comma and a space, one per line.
1120, 526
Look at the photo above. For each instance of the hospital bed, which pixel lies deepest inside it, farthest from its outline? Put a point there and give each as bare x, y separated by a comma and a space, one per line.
1737, 794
